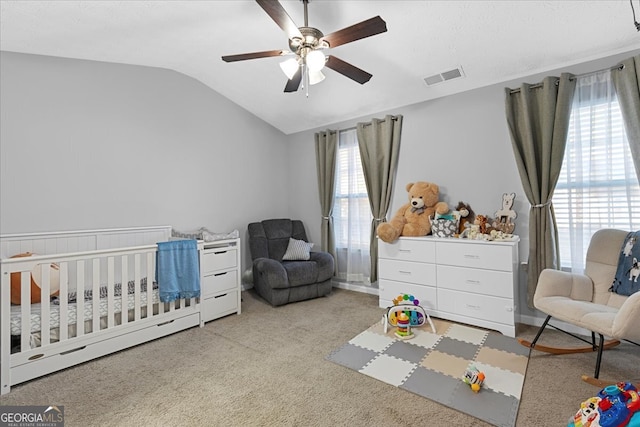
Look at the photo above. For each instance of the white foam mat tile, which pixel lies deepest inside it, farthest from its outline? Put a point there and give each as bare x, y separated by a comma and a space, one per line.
501, 381
389, 369
372, 341
464, 333
425, 339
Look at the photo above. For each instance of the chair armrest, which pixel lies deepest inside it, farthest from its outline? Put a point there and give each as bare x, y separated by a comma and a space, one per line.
626, 324
270, 272
556, 283
325, 263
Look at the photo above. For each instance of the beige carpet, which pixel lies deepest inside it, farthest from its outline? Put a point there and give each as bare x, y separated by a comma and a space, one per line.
267, 367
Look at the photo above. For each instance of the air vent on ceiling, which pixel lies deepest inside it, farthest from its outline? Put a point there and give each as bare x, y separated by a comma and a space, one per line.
455, 73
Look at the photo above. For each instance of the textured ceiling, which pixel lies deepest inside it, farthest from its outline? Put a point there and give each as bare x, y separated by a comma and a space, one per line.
493, 41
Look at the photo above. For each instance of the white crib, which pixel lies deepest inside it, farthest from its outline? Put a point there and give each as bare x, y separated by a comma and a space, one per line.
107, 299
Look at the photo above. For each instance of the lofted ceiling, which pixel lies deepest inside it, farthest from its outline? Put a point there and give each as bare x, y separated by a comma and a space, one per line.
492, 41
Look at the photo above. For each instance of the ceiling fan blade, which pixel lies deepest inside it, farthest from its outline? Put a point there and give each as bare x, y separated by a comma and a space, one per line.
367, 28
294, 83
346, 69
254, 55
275, 10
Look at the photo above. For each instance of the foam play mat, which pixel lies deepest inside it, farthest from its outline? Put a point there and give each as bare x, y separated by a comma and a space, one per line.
433, 365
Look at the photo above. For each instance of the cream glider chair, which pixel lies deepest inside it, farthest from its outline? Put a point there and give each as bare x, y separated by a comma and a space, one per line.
585, 300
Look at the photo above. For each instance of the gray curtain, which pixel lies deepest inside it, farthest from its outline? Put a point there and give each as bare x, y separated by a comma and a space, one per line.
626, 80
538, 120
326, 148
379, 143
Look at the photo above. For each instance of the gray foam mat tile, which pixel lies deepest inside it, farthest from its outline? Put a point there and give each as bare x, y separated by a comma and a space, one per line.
352, 356
461, 349
404, 350
501, 342
431, 384
493, 407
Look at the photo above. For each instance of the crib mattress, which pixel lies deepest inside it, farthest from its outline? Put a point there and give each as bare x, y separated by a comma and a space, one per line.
72, 311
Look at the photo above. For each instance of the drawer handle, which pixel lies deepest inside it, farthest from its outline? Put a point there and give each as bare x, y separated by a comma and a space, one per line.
473, 282
473, 307
404, 250
472, 256
220, 252
221, 274
404, 272
220, 296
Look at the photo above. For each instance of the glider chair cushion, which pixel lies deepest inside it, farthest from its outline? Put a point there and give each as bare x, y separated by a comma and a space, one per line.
585, 300
283, 281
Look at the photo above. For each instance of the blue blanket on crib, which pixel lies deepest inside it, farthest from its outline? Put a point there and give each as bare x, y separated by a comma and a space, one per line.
627, 279
177, 270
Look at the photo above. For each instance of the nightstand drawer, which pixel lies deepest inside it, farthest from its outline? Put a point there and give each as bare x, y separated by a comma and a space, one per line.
405, 271
218, 282
483, 307
487, 282
474, 255
408, 250
219, 306
218, 259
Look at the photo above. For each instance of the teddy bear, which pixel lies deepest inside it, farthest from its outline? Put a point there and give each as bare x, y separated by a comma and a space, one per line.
412, 219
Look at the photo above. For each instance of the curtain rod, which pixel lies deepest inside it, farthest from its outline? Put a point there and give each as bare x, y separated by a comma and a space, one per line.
539, 85
394, 118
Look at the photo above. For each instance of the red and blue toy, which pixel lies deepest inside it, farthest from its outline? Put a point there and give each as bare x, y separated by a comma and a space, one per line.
405, 314
615, 406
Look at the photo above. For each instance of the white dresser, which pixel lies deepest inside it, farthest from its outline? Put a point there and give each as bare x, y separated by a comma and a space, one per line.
220, 279
468, 281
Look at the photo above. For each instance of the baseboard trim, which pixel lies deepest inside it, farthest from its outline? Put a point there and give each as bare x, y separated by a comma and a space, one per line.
353, 287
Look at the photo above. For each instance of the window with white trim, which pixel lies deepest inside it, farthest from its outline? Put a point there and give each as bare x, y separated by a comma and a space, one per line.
351, 212
598, 187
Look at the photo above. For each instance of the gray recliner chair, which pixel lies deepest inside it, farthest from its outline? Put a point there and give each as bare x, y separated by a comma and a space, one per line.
281, 282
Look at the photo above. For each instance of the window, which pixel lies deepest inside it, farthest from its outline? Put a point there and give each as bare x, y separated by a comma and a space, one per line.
597, 187
351, 212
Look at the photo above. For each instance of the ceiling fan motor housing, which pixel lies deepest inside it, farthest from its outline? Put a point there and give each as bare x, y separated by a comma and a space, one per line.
310, 41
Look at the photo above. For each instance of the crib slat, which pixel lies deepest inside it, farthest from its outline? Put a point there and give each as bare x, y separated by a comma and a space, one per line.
110, 291
79, 297
136, 290
45, 308
63, 299
150, 275
95, 300
25, 308
124, 295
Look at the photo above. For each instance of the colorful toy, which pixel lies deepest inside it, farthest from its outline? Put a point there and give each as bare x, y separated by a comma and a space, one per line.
474, 378
615, 406
405, 313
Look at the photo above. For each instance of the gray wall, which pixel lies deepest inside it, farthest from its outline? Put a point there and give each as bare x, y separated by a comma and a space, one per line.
461, 142
88, 145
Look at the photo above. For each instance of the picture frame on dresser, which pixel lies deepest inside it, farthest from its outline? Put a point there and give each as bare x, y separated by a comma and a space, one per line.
468, 281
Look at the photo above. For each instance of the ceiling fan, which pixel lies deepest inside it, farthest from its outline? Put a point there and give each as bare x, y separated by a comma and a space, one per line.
307, 43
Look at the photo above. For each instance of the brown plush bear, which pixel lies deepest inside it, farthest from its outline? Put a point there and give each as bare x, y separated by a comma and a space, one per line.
412, 219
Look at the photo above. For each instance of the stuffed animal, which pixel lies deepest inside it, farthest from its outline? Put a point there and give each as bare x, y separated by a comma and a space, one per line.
482, 222
412, 219
467, 216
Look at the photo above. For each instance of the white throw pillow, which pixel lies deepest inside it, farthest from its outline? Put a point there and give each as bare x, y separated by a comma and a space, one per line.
298, 250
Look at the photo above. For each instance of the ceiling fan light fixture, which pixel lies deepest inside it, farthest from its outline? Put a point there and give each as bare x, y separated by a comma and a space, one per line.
315, 77
290, 67
315, 60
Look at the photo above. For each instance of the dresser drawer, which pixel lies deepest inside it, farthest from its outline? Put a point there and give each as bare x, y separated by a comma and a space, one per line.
494, 309
406, 271
218, 259
421, 250
214, 283
390, 290
488, 282
475, 255
218, 306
